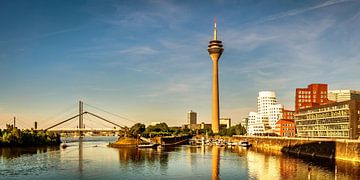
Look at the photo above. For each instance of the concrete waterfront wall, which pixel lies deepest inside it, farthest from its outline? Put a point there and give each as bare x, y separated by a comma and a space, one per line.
339, 149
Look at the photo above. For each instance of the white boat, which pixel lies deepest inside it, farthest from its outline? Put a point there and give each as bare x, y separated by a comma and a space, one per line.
245, 144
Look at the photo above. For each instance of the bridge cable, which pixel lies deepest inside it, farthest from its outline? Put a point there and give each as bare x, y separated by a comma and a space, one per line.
122, 117
49, 119
93, 121
104, 119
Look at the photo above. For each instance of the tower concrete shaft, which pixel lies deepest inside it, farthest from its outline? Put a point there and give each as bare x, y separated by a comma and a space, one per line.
215, 50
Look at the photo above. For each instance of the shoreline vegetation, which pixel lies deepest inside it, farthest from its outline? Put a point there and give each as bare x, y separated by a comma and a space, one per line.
162, 129
14, 137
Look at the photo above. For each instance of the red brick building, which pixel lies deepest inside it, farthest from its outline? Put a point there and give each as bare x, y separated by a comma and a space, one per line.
285, 128
313, 95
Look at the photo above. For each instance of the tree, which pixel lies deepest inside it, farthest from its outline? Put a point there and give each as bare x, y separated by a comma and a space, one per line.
136, 129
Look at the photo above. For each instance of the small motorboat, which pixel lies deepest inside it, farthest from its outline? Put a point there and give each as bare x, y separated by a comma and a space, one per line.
245, 144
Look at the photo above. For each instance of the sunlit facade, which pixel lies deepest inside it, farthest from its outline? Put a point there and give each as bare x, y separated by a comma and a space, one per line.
268, 113
343, 95
313, 95
334, 120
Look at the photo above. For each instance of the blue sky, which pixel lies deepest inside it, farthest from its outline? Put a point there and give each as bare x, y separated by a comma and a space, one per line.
148, 60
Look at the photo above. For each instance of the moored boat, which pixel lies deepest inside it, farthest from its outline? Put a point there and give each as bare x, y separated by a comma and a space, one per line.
245, 144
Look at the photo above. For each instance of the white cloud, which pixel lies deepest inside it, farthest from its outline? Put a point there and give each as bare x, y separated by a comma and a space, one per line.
139, 50
295, 12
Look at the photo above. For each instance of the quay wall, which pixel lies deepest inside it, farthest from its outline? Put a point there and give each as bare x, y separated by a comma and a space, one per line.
339, 149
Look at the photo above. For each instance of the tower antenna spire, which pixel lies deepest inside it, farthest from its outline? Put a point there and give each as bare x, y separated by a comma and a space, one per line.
215, 32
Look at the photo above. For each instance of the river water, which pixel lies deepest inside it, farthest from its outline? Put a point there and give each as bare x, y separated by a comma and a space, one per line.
90, 158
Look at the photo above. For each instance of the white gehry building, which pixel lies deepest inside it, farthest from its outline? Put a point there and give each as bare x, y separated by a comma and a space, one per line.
275, 114
251, 122
268, 113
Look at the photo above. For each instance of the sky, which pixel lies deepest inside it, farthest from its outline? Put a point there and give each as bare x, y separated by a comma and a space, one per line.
148, 60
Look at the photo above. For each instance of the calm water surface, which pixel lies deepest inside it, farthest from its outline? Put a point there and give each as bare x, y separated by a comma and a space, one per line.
90, 158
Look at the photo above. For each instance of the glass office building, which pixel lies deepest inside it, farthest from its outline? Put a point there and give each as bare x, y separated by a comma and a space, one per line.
333, 120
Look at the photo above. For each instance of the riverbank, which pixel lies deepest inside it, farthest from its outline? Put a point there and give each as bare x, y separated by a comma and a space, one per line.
14, 137
338, 149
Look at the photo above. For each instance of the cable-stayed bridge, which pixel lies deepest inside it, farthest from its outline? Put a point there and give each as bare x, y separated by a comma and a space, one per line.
74, 123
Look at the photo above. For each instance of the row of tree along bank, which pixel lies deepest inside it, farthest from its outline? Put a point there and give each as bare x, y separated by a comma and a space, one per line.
12, 136
162, 129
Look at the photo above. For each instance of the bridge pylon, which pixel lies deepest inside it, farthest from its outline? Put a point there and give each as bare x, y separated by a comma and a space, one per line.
81, 113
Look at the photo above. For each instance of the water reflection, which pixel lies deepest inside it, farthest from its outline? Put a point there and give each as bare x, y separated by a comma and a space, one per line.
15, 152
263, 164
81, 154
215, 151
93, 159
130, 157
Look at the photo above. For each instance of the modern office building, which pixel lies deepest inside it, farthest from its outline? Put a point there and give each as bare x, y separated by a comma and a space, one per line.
191, 117
343, 95
313, 95
264, 101
225, 122
332, 120
268, 113
285, 128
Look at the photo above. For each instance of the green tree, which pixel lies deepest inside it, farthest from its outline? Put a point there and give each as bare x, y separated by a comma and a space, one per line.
136, 129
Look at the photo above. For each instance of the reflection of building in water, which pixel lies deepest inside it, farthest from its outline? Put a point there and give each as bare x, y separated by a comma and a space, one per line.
215, 162
262, 166
287, 167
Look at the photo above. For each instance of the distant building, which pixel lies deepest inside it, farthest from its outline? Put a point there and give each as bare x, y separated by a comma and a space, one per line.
205, 126
285, 128
192, 117
202, 125
333, 120
155, 123
343, 95
226, 122
244, 122
313, 95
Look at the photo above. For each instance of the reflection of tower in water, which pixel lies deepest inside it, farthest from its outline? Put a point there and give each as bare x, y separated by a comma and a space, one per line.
81, 166
215, 162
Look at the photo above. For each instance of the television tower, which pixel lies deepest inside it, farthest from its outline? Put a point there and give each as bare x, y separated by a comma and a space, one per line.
215, 50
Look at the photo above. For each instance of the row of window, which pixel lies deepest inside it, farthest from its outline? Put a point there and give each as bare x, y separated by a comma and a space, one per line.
288, 134
324, 134
288, 129
342, 106
324, 127
323, 121
309, 92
